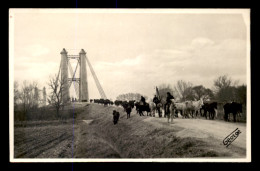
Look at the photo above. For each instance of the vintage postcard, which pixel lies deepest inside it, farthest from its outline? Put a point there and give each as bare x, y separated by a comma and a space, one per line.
135, 85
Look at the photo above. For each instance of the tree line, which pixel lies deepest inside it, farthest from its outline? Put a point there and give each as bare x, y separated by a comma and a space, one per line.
30, 102
29, 99
130, 96
225, 89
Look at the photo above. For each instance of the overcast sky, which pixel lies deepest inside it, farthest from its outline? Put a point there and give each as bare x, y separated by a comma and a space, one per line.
132, 52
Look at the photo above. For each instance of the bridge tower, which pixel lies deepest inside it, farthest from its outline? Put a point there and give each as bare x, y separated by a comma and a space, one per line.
65, 96
83, 86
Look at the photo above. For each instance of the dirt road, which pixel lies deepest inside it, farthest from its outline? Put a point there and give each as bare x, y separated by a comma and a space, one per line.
205, 129
153, 137
210, 131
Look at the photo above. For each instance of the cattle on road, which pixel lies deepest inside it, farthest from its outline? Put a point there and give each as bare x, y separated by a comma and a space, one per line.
140, 107
210, 110
234, 108
128, 110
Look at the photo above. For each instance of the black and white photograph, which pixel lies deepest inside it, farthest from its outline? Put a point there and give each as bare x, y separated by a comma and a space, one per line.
131, 85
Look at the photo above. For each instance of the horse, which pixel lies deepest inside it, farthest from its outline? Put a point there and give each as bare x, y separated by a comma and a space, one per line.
172, 111
153, 108
180, 107
158, 107
196, 106
137, 107
188, 108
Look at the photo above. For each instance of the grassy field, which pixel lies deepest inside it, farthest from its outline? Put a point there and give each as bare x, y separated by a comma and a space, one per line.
46, 136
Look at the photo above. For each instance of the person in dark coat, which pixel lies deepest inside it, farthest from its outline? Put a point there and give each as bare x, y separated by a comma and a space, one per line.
169, 97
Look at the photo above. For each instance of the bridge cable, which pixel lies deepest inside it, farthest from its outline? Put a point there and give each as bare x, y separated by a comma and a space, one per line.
99, 87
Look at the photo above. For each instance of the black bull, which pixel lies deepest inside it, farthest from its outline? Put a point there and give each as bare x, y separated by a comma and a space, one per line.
209, 108
234, 108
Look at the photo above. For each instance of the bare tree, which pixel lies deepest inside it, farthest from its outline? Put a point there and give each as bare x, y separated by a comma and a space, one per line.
209, 94
36, 97
201, 92
198, 91
55, 97
44, 95
183, 90
16, 94
28, 96
241, 94
225, 89
27, 101
188, 94
222, 82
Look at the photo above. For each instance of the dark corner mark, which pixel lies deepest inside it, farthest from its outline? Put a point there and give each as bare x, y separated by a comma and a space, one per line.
231, 137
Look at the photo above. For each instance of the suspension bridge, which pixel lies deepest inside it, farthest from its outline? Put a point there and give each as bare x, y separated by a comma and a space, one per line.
80, 82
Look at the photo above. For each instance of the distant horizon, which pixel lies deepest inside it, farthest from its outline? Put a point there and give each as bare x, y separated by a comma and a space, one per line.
149, 97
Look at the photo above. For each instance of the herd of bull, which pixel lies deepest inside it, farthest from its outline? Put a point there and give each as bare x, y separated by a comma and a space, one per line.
187, 109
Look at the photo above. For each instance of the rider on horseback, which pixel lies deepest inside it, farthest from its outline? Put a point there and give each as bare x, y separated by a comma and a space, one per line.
155, 100
143, 100
168, 102
158, 104
143, 106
